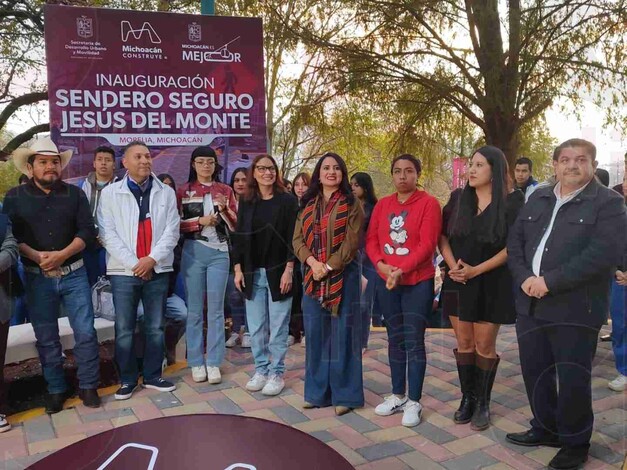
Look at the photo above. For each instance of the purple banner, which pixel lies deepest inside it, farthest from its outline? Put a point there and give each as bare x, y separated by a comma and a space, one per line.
170, 80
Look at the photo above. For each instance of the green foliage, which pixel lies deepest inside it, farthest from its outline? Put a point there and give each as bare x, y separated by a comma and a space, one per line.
8, 177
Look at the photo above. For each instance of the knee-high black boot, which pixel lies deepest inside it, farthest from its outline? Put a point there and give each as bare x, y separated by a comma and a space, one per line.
466, 371
485, 373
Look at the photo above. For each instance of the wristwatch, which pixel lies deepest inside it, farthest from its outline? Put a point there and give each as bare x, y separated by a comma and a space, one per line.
329, 268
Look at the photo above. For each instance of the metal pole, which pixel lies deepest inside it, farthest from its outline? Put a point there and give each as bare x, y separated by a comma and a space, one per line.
207, 7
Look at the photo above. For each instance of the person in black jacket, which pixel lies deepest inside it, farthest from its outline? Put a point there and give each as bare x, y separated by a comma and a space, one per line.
263, 263
562, 255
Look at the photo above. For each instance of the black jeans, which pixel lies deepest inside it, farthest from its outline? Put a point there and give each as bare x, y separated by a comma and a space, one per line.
558, 356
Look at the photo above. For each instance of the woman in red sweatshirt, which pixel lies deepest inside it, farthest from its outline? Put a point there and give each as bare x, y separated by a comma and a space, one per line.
401, 240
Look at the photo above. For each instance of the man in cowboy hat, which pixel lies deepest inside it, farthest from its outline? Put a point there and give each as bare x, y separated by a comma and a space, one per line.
52, 225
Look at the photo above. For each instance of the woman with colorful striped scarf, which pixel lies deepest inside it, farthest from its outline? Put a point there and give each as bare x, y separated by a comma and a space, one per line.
326, 239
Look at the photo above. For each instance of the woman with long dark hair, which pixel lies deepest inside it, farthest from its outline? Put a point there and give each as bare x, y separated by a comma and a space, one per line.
208, 209
264, 264
401, 241
326, 240
477, 292
235, 302
299, 188
363, 189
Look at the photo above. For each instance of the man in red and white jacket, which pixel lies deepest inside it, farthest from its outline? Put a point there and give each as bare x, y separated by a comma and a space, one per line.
139, 227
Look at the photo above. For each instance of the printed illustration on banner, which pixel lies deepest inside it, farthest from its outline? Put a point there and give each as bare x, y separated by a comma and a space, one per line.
147, 29
221, 54
84, 27
194, 32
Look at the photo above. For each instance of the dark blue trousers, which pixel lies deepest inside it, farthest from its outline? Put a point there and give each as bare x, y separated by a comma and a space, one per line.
556, 361
333, 372
405, 313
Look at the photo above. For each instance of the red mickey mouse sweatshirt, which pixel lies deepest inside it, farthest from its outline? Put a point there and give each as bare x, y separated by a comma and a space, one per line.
405, 235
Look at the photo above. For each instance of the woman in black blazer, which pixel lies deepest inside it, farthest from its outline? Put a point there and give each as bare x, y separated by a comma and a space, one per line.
263, 265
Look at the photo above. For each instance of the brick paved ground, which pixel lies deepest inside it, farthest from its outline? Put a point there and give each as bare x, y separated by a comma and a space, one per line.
366, 440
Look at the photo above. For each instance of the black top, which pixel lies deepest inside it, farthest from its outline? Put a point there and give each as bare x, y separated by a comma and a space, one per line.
488, 297
276, 253
262, 229
580, 255
49, 222
368, 208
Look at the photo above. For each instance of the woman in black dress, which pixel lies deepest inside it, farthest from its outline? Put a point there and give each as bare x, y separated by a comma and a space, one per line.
477, 293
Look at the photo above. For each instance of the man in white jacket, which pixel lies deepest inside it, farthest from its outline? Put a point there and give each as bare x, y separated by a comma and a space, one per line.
139, 227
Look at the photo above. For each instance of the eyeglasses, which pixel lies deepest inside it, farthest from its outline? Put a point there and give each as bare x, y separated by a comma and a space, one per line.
266, 169
205, 162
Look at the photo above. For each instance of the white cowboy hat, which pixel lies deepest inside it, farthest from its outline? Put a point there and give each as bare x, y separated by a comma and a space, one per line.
42, 146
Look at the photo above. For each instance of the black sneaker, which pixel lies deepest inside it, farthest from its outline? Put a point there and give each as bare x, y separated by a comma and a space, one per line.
125, 391
160, 384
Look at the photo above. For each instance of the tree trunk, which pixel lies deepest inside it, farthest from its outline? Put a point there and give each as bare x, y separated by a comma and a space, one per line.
503, 133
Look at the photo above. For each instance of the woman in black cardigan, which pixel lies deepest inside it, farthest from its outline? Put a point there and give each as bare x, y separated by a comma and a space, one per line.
263, 265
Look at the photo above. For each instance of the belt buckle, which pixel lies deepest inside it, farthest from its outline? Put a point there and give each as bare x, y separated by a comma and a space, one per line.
53, 273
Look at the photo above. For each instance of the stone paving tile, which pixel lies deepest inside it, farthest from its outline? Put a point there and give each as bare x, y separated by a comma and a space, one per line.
468, 444
433, 433
605, 454
54, 444
89, 429
434, 451
165, 400
512, 458
324, 436
390, 434
289, 415
349, 454
105, 415
419, 461
225, 385
39, 429
13, 445
383, 450
124, 421
194, 408
470, 461
225, 406
147, 411
391, 463
358, 423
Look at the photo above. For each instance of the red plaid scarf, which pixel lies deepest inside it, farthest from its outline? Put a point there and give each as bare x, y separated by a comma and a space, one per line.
315, 232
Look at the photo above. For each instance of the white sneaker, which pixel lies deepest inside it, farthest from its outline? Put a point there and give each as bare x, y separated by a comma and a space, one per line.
232, 341
199, 373
246, 340
213, 373
290, 341
619, 384
4, 424
411, 414
274, 386
256, 383
390, 405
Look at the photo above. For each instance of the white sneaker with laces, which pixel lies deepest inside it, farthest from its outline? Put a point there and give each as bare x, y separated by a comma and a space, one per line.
257, 382
274, 385
199, 373
213, 374
4, 424
232, 341
246, 340
411, 414
619, 384
390, 405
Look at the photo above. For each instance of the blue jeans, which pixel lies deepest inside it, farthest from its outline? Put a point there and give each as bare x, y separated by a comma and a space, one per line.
367, 297
235, 304
45, 297
333, 369
204, 270
175, 310
619, 326
406, 310
266, 316
127, 292
20, 312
